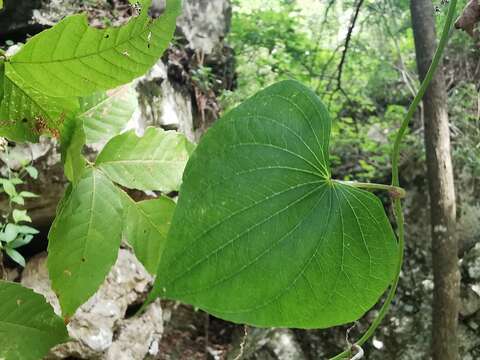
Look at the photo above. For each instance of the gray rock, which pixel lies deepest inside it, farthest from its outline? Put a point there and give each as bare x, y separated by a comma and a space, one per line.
471, 262
205, 23
99, 329
470, 300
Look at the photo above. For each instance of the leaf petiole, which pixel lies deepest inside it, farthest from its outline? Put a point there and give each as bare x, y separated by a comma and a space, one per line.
395, 191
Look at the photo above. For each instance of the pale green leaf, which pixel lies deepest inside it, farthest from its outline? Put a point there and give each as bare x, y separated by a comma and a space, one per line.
21, 241
8, 187
28, 326
15, 256
84, 239
33, 172
17, 199
146, 228
24, 229
28, 194
21, 215
10, 233
16, 181
105, 115
74, 59
154, 161
262, 235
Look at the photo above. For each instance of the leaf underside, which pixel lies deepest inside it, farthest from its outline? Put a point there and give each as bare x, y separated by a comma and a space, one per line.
262, 235
28, 326
154, 161
106, 115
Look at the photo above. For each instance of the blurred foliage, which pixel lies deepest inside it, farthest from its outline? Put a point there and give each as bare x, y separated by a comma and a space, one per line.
304, 40
14, 233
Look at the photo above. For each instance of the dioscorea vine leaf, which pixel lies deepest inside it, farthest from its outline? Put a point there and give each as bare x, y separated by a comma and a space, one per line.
262, 234
74, 59
146, 227
84, 239
28, 326
154, 161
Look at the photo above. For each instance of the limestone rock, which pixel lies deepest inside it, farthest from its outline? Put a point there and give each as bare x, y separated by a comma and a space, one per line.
205, 23
99, 328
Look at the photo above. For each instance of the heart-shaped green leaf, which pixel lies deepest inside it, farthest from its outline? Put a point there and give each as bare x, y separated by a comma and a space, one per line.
262, 235
28, 326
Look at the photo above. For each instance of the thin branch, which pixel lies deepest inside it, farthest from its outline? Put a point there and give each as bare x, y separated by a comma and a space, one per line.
347, 43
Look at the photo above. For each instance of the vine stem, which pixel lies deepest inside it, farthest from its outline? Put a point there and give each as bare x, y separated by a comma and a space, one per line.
397, 204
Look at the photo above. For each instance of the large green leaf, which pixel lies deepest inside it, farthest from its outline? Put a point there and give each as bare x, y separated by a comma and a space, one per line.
146, 228
28, 326
26, 113
105, 115
74, 59
84, 239
262, 235
154, 161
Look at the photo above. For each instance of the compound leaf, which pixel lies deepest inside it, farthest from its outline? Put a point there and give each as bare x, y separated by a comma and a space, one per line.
146, 228
84, 239
262, 235
74, 59
154, 161
28, 326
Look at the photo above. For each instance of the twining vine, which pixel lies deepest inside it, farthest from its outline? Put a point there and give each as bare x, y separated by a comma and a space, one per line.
397, 203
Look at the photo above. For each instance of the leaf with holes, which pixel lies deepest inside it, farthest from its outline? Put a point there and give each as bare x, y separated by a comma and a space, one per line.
84, 239
154, 161
26, 113
146, 228
74, 59
28, 326
262, 235
105, 115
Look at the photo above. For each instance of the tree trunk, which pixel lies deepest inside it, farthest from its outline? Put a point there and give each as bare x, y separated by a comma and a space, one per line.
441, 188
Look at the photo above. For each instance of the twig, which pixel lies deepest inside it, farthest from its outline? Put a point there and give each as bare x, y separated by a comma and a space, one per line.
347, 43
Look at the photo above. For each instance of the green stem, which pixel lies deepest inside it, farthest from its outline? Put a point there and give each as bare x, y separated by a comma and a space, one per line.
397, 204
395, 191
